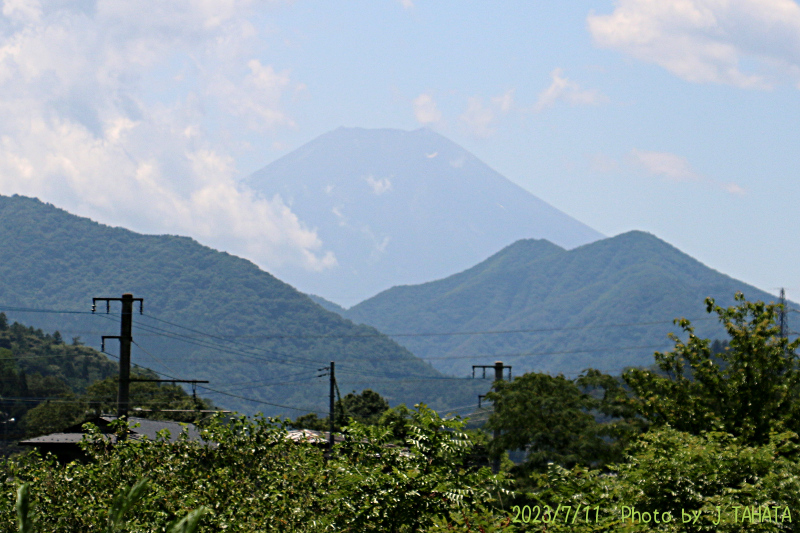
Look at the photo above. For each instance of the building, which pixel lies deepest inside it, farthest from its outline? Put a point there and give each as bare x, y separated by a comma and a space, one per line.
65, 444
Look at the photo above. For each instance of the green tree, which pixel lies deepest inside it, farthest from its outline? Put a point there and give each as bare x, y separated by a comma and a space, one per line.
366, 407
55, 415
553, 419
253, 478
155, 400
412, 486
709, 476
746, 390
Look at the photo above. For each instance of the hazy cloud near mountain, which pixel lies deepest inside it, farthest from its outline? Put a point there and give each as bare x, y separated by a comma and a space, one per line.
122, 112
708, 40
567, 90
675, 168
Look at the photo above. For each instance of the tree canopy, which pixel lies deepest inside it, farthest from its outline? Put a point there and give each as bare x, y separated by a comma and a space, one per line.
747, 390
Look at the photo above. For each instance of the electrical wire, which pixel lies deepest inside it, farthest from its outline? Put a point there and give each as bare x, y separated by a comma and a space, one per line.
425, 334
35, 310
260, 401
528, 354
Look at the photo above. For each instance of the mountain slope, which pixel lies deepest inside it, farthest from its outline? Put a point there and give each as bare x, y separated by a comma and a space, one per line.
208, 315
400, 207
608, 304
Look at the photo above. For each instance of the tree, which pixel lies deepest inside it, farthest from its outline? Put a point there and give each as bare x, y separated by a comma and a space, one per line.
154, 398
389, 488
551, 418
366, 407
54, 415
746, 390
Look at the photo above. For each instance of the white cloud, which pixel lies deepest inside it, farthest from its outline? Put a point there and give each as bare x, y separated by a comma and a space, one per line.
124, 112
675, 168
479, 119
564, 89
733, 188
666, 165
379, 186
707, 40
425, 110
22, 10
505, 101
408, 4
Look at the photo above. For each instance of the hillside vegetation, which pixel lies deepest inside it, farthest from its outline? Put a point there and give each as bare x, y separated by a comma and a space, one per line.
605, 305
47, 384
706, 442
207, 315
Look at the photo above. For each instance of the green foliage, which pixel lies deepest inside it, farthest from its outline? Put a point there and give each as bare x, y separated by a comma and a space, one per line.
43, 381
249, 328
24, 520
53, 416
250, 477
668, 471
121, 505
747, 390
46, 385
546, 416
554, 419
566, 298
366, 408
154, 399
410, 486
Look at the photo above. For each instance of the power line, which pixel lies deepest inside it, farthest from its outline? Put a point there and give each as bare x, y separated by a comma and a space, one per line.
422, 334
259, 401
189, 340
527, 354
36, 310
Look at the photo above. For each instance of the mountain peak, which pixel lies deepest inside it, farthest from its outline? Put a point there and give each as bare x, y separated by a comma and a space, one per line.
606, 305
401, 207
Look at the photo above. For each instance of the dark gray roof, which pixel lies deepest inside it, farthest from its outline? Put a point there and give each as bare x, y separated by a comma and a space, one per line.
54, 438
146, 428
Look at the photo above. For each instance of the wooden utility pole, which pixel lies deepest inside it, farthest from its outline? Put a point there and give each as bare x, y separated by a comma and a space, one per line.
125, 337
332, 410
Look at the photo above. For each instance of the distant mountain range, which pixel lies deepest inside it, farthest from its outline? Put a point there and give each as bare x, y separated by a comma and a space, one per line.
402, 207
207, 315
536, 306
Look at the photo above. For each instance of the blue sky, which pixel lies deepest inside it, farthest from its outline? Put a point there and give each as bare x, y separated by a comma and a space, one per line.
677, 117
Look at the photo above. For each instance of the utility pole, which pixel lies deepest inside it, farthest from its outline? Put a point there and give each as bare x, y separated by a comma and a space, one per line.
332, 408
783, 325
498, 376
125, 338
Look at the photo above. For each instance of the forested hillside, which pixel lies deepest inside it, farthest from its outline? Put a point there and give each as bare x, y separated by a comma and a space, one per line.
606, 305
47, 384
207, 315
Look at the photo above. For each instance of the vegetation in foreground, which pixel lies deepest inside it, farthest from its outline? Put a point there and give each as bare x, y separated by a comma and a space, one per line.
705, 441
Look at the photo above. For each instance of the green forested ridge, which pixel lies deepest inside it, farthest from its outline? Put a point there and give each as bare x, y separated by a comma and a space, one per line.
607, 305
250, 334
47, 384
